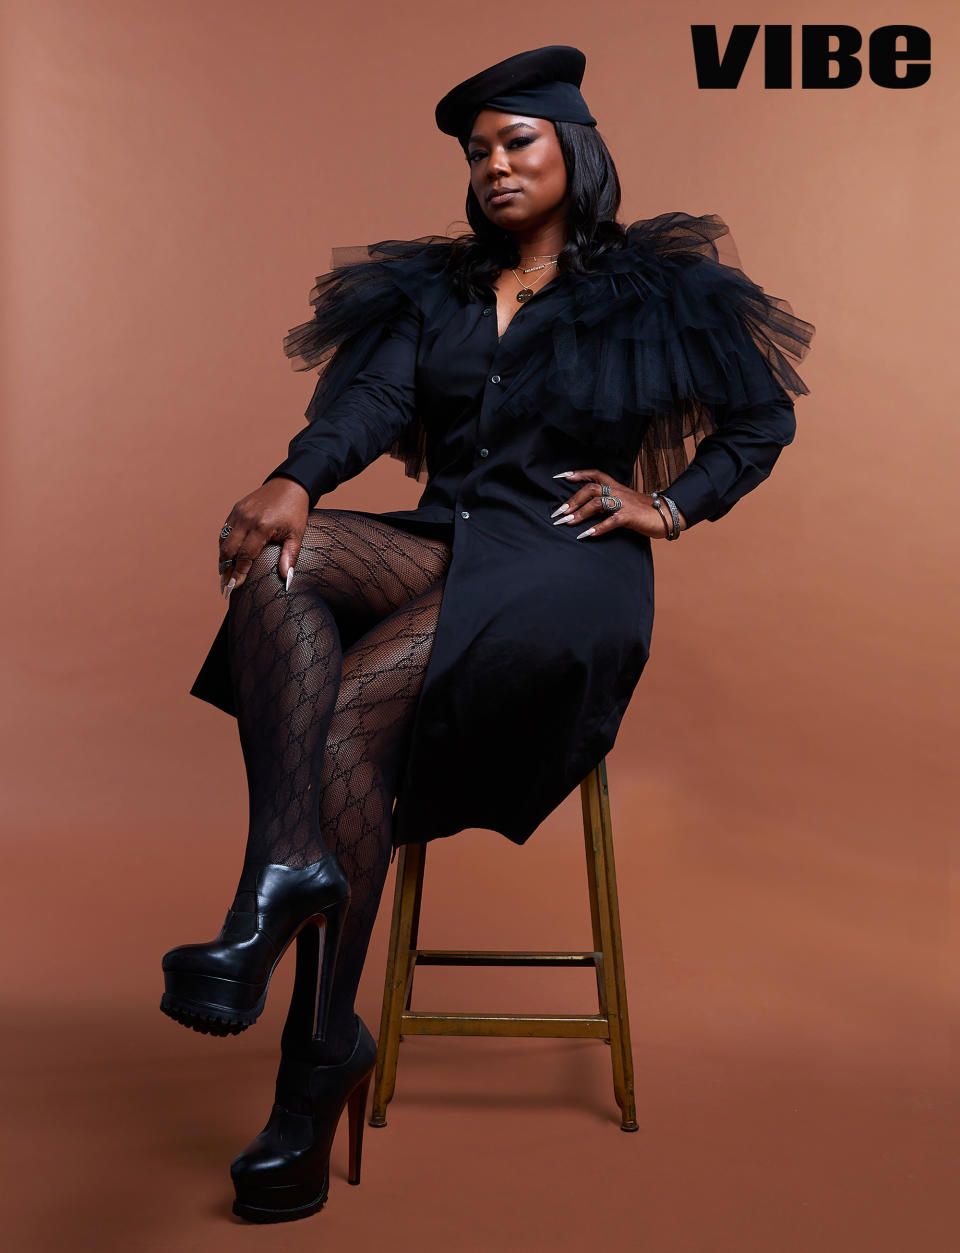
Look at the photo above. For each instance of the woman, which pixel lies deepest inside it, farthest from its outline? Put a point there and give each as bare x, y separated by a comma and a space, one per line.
470, 659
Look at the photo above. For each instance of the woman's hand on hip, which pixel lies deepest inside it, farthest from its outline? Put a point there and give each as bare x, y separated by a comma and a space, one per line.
637, 511
274, 513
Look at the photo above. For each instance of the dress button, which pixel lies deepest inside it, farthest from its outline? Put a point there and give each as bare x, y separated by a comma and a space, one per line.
484, 452
464, 513
494, 378
487, 311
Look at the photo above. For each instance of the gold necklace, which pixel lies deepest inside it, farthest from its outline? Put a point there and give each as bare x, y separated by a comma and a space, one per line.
546, 256
526, 291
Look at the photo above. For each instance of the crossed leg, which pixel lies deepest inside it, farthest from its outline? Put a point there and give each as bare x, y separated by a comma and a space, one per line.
327, 678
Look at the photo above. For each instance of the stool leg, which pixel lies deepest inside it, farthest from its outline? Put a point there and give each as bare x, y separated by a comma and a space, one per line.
598, 830
415, 921
587, 790
405, 908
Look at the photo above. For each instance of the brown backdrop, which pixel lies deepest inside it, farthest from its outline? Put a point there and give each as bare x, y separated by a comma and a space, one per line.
176, 177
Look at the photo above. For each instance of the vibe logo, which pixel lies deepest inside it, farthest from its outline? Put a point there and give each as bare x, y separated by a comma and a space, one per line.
887, 46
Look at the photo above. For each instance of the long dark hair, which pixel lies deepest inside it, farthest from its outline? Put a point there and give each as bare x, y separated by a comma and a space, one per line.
593, 202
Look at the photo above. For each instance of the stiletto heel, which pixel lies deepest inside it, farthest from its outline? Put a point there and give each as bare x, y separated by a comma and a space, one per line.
332, 930
357, 1105
220, 987
284, 1174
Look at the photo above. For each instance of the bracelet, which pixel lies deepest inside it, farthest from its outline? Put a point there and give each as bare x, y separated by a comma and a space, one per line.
675, 513
658, 500
664, 516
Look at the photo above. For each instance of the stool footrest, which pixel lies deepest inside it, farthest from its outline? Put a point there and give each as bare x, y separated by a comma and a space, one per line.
587, 1026
500, 957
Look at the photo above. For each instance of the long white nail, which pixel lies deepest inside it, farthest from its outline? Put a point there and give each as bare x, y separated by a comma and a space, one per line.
229, 588
289, 578
564, 474
562, 509
583, 533
560, 521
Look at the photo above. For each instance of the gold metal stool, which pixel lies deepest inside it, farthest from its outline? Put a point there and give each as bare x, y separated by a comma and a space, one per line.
610, 1024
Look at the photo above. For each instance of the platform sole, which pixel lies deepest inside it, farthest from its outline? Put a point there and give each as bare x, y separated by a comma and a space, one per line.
212, 1005
261, 1207
198, 1018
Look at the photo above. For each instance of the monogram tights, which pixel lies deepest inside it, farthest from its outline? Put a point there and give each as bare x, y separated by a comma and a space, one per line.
326, 679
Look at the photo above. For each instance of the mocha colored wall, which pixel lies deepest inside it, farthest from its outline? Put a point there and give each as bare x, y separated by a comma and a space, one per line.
176, 176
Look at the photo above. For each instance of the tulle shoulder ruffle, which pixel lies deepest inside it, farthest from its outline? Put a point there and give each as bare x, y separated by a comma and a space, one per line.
694, 320
359, 294
667, 334
671, 332
354, 305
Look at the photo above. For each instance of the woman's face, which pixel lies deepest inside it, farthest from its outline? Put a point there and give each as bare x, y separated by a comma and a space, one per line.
507, 150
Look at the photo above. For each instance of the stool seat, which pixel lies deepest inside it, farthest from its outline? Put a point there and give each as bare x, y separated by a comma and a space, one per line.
610, 1023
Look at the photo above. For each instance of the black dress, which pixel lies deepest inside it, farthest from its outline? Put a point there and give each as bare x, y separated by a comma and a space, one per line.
541, 637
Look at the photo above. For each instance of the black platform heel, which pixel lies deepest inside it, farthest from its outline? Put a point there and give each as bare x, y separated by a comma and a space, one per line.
284, 1174
219, 988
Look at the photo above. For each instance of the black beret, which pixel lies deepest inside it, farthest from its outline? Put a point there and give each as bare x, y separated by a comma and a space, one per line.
544, 82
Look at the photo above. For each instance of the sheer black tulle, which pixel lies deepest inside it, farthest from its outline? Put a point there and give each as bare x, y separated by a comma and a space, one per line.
353, 306
667, 332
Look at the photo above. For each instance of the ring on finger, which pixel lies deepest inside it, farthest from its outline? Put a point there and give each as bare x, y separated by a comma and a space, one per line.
225, 565
605, 489
225, 531
611, 503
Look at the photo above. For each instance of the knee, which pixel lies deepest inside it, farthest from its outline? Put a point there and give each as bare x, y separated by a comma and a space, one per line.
324, 519
265, 561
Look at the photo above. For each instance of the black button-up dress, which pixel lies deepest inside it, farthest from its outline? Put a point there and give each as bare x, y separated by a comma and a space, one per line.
541, 637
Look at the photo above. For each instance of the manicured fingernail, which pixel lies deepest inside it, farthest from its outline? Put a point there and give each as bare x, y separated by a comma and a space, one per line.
289, 578
564, 474
562, 509
229, 588
561, 520
583, 533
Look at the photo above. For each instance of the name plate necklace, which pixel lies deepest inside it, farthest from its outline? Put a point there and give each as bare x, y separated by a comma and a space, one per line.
526, 289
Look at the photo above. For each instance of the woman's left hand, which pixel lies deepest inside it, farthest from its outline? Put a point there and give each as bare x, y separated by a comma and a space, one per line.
636, 512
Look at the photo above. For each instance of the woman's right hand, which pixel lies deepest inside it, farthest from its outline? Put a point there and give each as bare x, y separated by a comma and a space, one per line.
274, 513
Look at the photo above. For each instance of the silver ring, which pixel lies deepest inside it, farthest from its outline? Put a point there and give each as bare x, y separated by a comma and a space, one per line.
225, 565
611, 503
605, 489
227, 528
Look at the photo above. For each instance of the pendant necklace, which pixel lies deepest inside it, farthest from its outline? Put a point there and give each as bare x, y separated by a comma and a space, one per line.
527, 289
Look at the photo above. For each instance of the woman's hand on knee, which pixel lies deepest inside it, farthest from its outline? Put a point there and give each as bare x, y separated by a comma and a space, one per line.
274, 513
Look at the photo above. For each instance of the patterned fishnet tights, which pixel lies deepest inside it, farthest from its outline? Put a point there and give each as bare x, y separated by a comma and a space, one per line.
326, 678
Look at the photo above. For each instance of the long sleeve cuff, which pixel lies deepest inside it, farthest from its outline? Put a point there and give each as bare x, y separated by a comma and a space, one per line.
732, 461
302, 469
